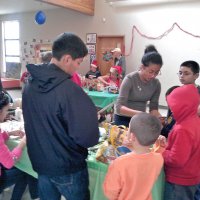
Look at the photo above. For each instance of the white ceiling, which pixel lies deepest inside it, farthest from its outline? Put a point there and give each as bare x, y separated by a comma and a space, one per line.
119, 3
18, 6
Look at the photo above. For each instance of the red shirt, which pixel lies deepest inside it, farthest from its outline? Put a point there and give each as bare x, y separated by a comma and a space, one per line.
182, 154
76, 79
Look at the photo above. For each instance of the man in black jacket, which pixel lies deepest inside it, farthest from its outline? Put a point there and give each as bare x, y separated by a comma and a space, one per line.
60, 122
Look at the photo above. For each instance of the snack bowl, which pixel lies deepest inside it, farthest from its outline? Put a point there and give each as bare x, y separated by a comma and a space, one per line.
121, 150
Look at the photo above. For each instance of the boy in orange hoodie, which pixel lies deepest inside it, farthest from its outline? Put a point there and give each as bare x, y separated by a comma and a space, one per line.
133, 175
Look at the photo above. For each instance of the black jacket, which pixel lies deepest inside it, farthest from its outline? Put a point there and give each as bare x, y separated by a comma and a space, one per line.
60, 121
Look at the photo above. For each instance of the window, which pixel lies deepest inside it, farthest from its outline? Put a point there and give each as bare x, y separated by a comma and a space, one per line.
11, 44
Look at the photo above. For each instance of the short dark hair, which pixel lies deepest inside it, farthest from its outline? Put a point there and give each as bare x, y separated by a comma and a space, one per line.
4, 100
146, 128
151, 56
194, 66
69, 43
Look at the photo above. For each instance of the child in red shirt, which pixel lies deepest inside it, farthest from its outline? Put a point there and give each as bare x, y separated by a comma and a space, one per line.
182, 150
114, 78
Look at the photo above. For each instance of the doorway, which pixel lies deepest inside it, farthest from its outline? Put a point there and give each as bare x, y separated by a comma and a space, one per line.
104, 46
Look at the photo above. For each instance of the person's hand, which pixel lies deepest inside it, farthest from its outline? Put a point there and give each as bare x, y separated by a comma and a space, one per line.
22, 143
161, 141
160, 144
17, 133
91, 76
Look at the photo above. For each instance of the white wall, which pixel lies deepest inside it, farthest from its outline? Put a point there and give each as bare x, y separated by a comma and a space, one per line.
150, 20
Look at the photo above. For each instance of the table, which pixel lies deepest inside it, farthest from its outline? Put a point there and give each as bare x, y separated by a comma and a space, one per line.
101, 99
24, 163
97, 172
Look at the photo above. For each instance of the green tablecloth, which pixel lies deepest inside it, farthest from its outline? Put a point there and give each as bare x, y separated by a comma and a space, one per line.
101, 99
97, 172
24, 163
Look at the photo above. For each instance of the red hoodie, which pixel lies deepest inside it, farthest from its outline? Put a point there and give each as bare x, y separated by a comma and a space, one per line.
182, 154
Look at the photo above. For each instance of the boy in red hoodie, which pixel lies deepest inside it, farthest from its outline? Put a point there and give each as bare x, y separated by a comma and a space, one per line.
182, 152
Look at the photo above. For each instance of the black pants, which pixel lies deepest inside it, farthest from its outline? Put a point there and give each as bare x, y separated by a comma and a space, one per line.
121, 120
20, 179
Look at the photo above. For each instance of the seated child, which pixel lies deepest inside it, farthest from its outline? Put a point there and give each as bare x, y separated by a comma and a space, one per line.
132, 176
94, 72
10, 175
114, 78
181, 154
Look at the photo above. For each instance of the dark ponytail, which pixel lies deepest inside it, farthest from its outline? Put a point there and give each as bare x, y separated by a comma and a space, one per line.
4, 100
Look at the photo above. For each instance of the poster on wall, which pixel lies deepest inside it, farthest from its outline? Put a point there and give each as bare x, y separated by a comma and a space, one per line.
91, 48
91, 38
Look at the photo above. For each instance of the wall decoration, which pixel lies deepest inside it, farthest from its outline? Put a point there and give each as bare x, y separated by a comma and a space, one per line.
91, 38
40, 48
164, 34
91, 48
107, 56
31, 50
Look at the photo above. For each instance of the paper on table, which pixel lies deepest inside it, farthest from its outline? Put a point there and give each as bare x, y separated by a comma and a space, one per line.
12, 126
14, 137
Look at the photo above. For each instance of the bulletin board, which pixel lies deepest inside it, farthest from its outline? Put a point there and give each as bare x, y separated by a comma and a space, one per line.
31, 49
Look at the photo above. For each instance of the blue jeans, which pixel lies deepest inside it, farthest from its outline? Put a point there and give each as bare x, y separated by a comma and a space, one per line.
197, 194
72, 186
179, 192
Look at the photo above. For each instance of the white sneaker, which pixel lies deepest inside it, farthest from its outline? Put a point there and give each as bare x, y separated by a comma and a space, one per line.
7, 189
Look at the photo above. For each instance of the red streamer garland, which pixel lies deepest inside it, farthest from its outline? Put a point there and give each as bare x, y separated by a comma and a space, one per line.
158, 37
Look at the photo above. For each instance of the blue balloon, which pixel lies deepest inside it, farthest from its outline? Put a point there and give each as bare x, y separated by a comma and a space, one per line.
40, 17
